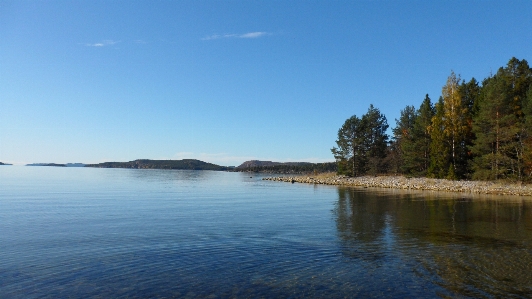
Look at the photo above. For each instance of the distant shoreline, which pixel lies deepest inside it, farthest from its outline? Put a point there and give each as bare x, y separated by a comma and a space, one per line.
254, 166
426, 184
184, 164
47, 164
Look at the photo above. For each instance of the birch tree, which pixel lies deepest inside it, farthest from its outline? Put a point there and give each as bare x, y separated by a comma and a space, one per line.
453, 116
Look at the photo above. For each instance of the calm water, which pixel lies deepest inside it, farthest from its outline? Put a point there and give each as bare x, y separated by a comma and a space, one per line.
121, 233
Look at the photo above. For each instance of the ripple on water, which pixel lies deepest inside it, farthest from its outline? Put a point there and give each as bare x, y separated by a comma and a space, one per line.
133, 233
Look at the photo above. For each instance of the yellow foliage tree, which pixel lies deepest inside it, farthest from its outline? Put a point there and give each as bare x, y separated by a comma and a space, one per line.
454, 122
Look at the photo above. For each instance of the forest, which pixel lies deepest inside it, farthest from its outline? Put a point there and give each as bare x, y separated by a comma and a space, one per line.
475, 131
191, 164
290, 167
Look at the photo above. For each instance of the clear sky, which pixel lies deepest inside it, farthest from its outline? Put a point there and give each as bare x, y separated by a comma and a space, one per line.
229, 81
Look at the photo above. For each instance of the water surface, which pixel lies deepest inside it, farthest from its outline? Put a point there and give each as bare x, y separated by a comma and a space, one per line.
122, 233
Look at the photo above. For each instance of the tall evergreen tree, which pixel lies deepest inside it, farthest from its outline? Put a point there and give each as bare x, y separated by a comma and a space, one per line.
439, 149
492, 128
350, 153
362, 144
500, 125
470, 94
376, 139
403, 137
422, 137
392, 160
527, 142
518, 76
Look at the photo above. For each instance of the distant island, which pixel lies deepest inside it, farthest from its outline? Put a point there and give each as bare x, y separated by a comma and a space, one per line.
46, 164
185, 164
248, 166
193, 164
5, 163
75, 165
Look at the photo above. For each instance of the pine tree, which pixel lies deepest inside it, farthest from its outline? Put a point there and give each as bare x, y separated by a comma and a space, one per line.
362, 144
393, 159
403, 137
439, 150
412, 138
500, 126
527, 140
470, 94
518, 75
376, 139
492, 130
350, 153
422, 137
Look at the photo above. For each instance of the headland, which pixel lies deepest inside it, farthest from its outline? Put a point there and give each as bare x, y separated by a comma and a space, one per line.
401, 182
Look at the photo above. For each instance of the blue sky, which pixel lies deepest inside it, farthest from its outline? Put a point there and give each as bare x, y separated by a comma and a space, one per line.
230, 81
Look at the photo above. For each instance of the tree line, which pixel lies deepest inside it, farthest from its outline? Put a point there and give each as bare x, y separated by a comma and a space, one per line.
187, 164
295, 168
476, 130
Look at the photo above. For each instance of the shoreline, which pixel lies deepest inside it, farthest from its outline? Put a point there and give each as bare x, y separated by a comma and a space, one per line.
422, 184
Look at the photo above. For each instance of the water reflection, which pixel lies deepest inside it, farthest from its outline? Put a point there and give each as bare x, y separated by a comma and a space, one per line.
472, 246
181, 176
168, 175
135, 233
362, 221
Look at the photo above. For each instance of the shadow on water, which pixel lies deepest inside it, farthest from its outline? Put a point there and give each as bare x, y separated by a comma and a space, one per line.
477, 247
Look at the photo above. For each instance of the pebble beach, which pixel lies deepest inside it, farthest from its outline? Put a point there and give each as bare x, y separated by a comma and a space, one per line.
400, 182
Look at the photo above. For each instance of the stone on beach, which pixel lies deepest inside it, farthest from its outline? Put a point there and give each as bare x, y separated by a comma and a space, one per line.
400, 182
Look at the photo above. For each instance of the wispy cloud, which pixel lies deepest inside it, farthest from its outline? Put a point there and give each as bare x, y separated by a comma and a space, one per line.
104, 43
253, 34
256, 34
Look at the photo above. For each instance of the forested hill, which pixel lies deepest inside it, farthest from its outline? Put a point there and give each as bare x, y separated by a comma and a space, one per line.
190, 164
287, 167
46, 164
5, 163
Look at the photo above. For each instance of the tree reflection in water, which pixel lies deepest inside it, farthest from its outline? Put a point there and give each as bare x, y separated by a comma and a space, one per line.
472, 246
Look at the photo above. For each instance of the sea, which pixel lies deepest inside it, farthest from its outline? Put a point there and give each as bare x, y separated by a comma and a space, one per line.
135, 233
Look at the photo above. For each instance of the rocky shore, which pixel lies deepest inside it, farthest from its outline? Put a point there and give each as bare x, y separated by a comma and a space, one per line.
399, 182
